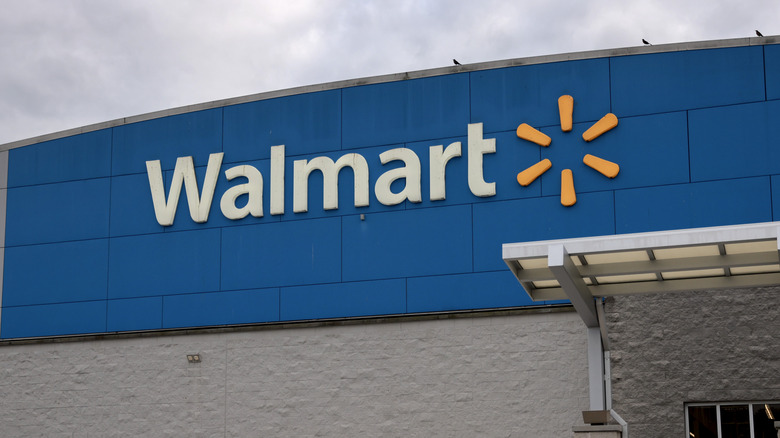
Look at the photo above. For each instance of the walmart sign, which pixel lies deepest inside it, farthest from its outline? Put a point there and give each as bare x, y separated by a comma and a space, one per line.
410, 173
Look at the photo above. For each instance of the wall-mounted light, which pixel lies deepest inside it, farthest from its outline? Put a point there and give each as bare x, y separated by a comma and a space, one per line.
193, 358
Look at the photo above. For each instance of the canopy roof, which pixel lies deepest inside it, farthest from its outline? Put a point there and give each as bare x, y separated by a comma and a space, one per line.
666, 261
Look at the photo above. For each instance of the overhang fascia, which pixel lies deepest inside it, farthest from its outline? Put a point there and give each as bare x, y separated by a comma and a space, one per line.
735, 256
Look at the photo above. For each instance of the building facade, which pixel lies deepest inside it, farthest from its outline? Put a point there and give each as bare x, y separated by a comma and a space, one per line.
327, 261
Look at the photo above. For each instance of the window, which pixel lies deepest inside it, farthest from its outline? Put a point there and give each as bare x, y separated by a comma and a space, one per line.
732, 420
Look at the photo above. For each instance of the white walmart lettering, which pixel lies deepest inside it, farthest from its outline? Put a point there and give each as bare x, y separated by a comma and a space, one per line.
199, 202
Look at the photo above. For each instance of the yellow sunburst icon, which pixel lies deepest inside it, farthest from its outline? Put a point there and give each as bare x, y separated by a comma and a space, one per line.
604, 167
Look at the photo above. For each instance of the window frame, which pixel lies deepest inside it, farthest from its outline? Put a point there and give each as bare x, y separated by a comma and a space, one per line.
750, 405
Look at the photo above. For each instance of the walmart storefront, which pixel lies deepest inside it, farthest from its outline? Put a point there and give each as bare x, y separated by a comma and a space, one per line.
343, 259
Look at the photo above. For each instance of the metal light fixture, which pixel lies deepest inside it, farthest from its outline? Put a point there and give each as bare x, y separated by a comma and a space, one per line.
193, 358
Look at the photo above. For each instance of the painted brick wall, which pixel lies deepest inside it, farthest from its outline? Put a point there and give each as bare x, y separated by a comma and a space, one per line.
709, 346
523, 375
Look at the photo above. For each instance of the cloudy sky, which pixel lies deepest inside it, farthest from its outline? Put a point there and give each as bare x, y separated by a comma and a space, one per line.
69, 63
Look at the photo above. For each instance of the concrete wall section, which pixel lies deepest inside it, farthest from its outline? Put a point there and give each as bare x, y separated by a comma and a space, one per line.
494, 376
708, 346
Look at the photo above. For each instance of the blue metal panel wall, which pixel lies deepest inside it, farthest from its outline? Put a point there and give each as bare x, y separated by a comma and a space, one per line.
343, 299
63, 160
197, 134
305, 124
772, 59
56, 272
281, 254
164, 264
735, 141
697, 143
504, 98
413, 110
674, 81
59, 212
705, 204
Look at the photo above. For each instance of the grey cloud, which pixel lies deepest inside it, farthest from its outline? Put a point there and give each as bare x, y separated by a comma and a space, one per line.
71, 63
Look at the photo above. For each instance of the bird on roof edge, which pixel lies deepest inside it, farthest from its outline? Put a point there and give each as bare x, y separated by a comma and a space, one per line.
644, 41
759, 33
455, 61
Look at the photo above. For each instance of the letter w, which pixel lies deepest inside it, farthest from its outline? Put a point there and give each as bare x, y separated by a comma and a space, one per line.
165, 211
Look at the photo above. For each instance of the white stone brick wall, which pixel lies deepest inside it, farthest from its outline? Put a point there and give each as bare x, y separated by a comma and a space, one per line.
706, 346
521, 375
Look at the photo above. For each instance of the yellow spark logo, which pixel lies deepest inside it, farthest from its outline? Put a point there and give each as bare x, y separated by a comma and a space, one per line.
604, 167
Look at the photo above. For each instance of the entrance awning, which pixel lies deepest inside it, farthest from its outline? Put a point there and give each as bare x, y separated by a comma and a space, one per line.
666, 261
